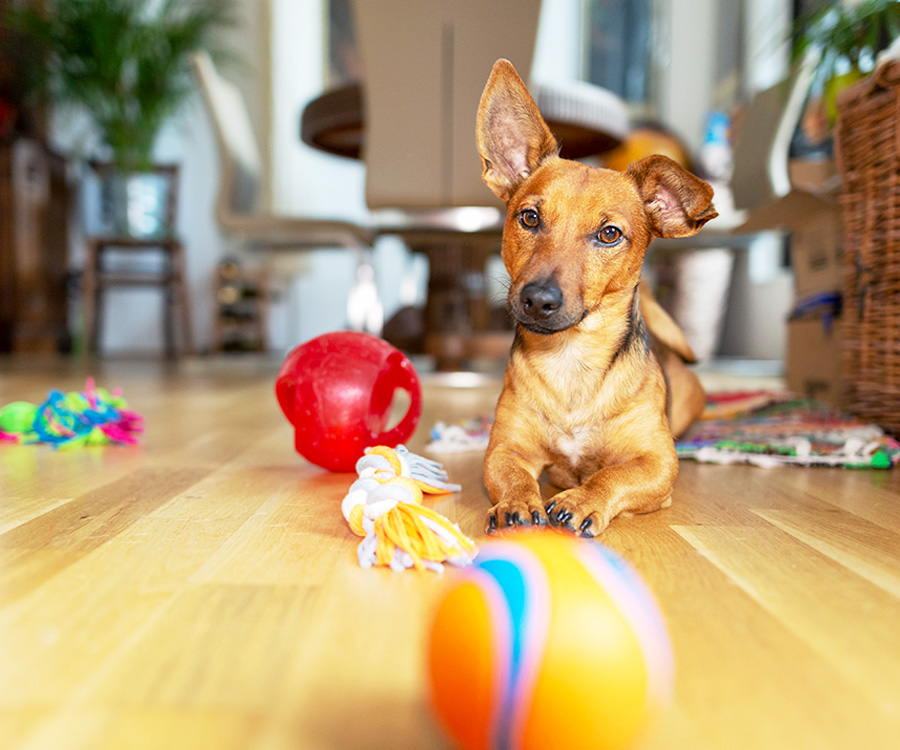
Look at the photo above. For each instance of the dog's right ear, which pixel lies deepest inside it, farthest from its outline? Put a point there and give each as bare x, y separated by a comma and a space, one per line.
513, 138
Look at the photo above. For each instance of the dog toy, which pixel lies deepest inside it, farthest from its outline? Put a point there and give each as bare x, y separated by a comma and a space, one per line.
543, 627
93, 416
384, 506
337, 390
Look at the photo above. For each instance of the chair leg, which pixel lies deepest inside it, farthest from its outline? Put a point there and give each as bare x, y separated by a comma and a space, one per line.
169, 321
89, 291
183, 300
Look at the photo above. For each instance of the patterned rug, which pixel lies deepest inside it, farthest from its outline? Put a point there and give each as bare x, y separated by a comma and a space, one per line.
772, 429
757, 427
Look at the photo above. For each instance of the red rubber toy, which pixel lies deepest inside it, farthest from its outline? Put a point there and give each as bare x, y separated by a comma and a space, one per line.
337, 390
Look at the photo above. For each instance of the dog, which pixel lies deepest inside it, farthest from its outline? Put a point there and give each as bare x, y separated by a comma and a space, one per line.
584, 397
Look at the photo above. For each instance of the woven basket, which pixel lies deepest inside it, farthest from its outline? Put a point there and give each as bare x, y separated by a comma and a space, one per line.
867, 142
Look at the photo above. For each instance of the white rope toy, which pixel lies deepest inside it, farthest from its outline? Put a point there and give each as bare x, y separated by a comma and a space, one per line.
385, 507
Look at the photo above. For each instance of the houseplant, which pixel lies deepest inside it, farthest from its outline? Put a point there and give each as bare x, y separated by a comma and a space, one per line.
848, 36
125, 63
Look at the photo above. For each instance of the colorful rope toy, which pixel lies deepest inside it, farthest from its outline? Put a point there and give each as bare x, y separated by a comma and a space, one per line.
94, 416
385, 507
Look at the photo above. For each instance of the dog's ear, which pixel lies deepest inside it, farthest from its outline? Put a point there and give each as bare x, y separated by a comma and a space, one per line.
677, 203
513, 138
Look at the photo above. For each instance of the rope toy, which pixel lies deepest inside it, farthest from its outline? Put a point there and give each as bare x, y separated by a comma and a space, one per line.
384, 506
93, 416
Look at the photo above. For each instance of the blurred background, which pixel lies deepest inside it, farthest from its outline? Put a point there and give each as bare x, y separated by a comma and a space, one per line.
677, 77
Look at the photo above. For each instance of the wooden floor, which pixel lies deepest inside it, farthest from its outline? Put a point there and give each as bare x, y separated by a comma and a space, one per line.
201, 590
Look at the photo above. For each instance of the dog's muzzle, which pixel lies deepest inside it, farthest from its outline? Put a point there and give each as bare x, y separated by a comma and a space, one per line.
541, 307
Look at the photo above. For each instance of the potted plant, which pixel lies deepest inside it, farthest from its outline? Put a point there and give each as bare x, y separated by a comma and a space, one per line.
848, 37
126, 64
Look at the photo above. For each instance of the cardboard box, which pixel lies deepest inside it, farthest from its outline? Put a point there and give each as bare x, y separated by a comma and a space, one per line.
814, 358
811, 213
813, 175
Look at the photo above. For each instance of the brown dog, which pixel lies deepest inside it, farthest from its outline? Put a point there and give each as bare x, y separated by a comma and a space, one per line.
584, 398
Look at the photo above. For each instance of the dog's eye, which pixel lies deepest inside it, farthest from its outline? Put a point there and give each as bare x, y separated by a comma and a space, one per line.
610, 235
529, 218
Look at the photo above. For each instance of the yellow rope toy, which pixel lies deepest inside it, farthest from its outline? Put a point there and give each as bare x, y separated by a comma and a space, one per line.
385, 507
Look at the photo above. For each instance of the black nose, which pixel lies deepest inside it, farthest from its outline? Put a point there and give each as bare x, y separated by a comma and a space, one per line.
541, 299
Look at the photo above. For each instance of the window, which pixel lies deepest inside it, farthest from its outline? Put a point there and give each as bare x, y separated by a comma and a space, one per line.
619, 47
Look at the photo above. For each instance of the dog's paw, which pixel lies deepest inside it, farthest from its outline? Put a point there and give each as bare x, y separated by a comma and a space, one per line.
514, 515
565, 512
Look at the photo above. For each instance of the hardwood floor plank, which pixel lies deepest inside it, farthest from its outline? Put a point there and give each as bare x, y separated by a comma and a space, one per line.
18, 510
146, 729
863, 547
82, 525
869, 494
825, 605
787, 696
58, 637
216, 647
360, 682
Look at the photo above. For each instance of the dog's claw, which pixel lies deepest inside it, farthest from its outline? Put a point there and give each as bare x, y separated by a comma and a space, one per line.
536, 519
550, 506
585, 528
517, 519
492, 524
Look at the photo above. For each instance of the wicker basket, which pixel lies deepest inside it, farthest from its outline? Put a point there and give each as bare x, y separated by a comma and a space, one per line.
867, 143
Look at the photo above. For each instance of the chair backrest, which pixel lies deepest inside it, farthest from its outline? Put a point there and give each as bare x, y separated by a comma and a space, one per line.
425, 64
238, 151
761, 151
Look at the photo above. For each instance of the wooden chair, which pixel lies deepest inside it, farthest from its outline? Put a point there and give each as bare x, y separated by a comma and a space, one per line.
169, 275
250, 226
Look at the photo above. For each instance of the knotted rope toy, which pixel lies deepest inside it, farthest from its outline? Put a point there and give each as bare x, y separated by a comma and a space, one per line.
93, 416
384, 506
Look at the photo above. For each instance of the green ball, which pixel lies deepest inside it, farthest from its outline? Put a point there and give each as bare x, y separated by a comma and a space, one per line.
17, 417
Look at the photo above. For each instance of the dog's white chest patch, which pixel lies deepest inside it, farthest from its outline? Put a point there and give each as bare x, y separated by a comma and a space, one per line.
572, 444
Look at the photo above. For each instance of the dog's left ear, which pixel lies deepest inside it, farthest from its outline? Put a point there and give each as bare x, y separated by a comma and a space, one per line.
677, 203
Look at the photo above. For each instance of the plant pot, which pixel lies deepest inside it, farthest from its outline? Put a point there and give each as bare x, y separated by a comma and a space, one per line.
135, 204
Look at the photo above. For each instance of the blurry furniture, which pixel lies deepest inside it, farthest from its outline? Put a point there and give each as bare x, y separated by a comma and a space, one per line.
412, 119
120, 259
35, 200
699, 268
241, 304
237, 210
869, 160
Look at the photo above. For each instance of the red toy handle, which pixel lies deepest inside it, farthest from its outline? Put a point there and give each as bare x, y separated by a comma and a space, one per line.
400, 374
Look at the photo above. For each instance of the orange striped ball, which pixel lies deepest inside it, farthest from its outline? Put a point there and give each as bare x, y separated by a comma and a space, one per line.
549, 642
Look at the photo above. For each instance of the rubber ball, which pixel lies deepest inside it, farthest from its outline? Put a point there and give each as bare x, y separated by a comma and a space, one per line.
338, 389
546, 642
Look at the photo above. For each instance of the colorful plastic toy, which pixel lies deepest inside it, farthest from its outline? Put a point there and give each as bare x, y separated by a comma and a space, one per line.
549, 642
385, 507
64, 420
337, 391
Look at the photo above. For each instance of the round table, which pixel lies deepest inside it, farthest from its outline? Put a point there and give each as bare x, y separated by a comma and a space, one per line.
587, 120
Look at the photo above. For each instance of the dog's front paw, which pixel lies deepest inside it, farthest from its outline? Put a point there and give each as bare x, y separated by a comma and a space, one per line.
565, 511
515, 514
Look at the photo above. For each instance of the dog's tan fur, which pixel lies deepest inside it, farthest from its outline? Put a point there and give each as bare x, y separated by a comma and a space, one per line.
584, 397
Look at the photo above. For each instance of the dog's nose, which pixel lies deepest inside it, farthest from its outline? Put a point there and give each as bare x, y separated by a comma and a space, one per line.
540, 300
